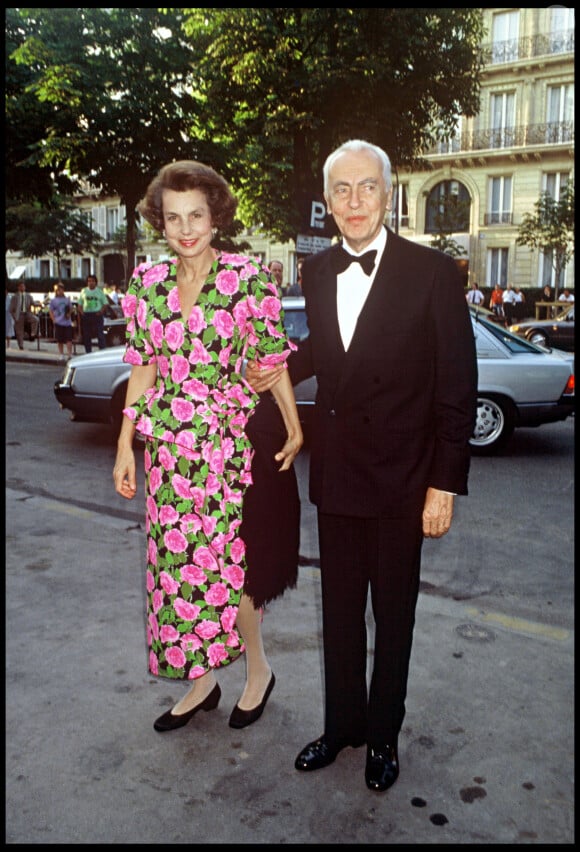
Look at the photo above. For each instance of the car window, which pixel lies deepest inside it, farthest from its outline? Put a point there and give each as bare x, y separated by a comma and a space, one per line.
295, 324
511, 341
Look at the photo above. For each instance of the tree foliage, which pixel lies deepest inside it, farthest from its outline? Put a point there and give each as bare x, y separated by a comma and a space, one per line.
550, 228
286, 86
58, 230
263, 95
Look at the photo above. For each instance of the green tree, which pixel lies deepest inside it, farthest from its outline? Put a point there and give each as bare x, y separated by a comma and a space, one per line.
283, 87
551, 230
116, 85
58, 230
263, 95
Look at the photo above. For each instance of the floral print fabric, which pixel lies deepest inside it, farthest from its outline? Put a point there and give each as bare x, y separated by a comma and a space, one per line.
198, 457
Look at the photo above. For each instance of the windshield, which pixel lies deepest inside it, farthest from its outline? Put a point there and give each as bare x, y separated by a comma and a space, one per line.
512, 341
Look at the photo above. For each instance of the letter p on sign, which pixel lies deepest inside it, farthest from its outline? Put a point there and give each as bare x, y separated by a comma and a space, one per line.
317, 214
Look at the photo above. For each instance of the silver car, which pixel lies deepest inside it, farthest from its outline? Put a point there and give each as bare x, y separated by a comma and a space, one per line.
520, 384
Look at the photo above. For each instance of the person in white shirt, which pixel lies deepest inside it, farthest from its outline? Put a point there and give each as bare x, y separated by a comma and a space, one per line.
509, 301
566, 296
475, 296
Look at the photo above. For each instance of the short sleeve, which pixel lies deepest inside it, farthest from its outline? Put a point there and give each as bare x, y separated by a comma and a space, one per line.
135, 305
268, 342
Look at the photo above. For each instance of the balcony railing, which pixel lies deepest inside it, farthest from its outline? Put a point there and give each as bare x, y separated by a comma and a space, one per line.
498, 219
525, 135
529, 47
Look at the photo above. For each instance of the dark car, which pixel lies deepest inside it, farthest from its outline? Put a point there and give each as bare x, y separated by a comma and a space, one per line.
556, 333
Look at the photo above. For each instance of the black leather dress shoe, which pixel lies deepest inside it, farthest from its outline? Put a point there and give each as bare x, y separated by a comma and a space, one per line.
243, 718
320, 753
382, 769
170, 721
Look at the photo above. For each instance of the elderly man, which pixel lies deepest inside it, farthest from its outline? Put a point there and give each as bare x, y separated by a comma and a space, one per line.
389, 450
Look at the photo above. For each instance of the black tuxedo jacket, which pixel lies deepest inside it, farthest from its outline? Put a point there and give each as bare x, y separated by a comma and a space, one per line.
394, 413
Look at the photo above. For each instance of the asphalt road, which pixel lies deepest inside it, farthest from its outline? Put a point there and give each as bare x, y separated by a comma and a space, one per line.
487, 751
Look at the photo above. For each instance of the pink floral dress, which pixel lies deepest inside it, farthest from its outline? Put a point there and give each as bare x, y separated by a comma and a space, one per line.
197, 456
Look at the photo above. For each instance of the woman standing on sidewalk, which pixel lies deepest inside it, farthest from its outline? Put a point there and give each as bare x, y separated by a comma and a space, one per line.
191, 322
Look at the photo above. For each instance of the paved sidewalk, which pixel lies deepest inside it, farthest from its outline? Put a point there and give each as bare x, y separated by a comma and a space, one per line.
41, 352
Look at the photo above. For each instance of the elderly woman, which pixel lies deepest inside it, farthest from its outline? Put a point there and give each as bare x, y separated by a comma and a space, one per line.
192, 321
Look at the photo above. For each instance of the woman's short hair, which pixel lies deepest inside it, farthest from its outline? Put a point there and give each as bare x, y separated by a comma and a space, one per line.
181, 176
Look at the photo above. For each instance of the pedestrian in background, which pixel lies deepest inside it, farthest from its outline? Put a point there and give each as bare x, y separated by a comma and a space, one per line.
60, 310
91, 308
191, 322
475, 296
277, 270
24, 318
519, 305
496, 301
296, 288
508, 302
9, 319
389, 446
566, 296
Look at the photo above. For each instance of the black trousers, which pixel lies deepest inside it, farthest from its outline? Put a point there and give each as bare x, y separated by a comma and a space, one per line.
92, 325
355, 554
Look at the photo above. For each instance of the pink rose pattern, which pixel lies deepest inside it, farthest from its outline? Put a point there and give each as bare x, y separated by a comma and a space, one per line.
197, 455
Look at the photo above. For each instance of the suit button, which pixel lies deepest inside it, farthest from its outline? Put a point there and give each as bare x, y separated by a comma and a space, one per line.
332, 412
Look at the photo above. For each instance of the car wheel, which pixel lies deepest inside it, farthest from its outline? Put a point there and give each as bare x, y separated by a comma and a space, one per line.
116, 337
539, 338
494, 424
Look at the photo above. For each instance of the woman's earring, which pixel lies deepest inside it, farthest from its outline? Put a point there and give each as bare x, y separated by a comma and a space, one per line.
164, 234
214, 231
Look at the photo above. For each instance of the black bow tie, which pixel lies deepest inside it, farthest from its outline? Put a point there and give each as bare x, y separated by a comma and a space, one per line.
342, 259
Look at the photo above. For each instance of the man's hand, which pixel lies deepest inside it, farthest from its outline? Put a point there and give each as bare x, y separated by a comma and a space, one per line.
437, 513
262, 380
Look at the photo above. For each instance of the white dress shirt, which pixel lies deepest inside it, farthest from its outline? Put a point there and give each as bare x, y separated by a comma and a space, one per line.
353, 287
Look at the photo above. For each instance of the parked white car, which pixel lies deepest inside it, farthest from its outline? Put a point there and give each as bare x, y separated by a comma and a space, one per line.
520, 384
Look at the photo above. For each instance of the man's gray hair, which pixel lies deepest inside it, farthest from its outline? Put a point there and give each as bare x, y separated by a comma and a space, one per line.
358, 145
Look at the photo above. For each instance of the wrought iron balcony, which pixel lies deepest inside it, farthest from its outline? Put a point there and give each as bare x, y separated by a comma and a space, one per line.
525, 135
529, 47
498, 219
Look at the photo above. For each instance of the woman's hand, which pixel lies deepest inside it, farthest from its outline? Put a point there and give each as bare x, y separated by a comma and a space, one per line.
124, 475
290, 450
263, 380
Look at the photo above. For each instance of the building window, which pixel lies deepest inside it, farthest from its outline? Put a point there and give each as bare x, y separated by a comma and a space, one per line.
66, 269
548, 271
448, 208
44, 269
497, 267
500, 201
503, 110
505, 37
85, 267
99, 217
561, 29
453, 144
554, 183
112, 221
399, 216
560, 113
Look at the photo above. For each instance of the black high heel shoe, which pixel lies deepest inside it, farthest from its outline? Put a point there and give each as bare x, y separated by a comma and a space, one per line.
243, 718
170, 721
